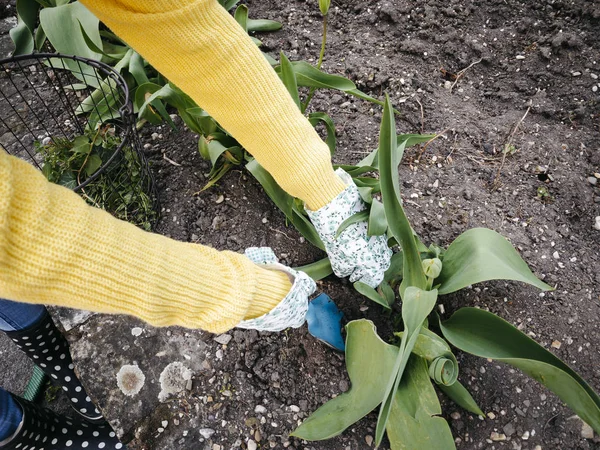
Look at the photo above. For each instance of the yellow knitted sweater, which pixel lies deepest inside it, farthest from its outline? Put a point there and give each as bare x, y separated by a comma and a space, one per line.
55, 249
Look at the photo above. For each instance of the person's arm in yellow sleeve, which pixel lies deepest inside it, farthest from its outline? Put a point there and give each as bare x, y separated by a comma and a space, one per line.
55, 249
198, 46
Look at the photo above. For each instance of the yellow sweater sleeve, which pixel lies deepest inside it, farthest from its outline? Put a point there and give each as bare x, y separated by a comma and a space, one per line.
197, 45
55, 249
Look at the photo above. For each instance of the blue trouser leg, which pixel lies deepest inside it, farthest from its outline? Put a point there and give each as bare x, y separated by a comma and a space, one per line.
13, 317
10, 415
16, 316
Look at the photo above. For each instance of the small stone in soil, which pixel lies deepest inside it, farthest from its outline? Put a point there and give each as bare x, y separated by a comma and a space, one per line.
556, 344
586, 431
223, 339
592, 180
509, 429
206, 432
369, 439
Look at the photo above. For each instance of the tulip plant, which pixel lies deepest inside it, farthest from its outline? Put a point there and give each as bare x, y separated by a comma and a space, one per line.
400, 378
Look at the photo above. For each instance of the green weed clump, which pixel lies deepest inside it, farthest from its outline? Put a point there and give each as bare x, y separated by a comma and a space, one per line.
119, 189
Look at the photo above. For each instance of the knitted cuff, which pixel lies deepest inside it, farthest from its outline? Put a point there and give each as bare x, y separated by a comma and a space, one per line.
271, 287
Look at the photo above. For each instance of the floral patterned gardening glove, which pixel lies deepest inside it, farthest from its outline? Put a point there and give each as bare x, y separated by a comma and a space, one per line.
352, 253
291, 311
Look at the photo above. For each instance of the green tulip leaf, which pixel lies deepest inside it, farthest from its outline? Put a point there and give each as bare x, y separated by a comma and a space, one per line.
310, 76
414, 421
63, 25
368, 360
288, 77
317, 270
459, 395
377, 224
22, 38
371, 294
241, 16
480, 255
486, 335
360, 216
416, 306
398, 223
262, 25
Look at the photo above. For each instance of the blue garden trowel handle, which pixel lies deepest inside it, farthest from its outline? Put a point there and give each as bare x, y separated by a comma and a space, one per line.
324, 321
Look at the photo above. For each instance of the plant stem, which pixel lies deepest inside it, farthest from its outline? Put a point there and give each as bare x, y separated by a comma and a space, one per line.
319, 63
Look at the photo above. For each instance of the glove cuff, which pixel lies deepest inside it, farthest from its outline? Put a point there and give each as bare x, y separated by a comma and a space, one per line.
289, 312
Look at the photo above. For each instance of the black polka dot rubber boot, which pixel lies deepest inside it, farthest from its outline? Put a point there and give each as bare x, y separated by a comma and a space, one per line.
43, 429
49, 349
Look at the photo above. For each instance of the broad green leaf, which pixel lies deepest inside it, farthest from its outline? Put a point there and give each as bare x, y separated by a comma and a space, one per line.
215, 149
377, 224
360, 216
479, 255
486, 335
27, 10
241, 16
22, 33
124, 61
137, 69
317, 270
285, 203
262, 25
459, 395
203, 123
371, 294
315, 118
203, 147
22, 38
40, 38
373, 183
102, 93
368, 360
149, 105
309, 76
62, 27
416, 306
394, 272
90, 43
414, 421
390, 192
169, 94
288, 77
387, 292
443, 367
360, 94
93, 164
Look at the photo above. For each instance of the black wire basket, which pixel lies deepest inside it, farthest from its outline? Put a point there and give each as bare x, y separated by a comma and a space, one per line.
72, 118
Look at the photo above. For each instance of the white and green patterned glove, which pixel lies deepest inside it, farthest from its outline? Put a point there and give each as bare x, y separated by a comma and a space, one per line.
291, 311
352, 253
